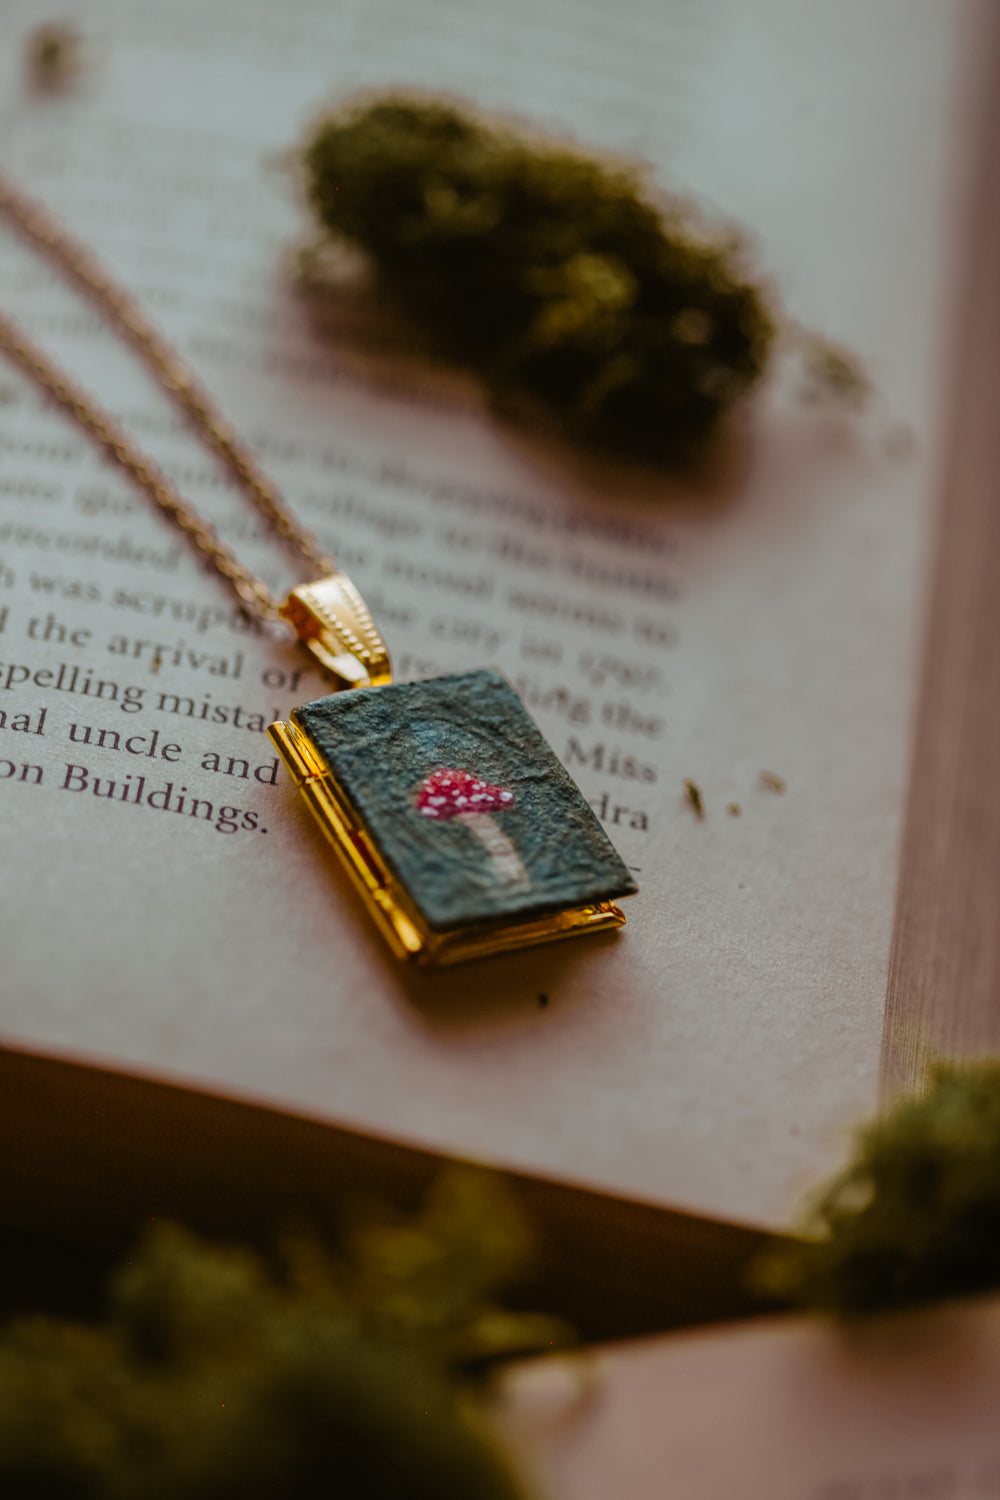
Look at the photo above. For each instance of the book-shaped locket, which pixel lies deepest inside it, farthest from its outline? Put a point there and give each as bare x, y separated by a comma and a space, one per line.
461, 829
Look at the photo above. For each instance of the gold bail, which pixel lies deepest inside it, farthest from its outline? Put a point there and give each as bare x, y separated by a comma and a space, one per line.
332, 621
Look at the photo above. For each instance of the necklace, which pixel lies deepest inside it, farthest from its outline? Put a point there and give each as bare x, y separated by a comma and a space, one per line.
460, 828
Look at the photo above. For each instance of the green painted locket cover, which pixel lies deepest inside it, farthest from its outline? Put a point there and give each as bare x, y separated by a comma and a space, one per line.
464, 800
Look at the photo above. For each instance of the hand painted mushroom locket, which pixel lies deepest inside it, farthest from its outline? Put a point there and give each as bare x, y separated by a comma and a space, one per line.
461, 829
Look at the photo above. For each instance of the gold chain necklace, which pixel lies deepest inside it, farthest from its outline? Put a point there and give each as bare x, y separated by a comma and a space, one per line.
458, 825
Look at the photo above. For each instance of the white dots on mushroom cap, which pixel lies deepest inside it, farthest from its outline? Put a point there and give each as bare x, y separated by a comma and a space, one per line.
448, 793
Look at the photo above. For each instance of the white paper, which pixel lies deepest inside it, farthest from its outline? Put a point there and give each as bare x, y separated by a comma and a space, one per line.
714, 1055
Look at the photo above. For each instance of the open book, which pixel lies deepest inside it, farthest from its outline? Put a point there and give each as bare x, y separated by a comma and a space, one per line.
168, 913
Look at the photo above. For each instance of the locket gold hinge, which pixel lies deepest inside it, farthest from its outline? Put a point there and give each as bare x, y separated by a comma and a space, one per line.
334, 624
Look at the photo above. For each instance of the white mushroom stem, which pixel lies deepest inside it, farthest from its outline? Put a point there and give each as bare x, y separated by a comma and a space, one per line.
504, 857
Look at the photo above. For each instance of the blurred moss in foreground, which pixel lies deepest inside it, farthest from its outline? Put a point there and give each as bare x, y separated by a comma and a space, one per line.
916, 1215
553, 273
216, 1379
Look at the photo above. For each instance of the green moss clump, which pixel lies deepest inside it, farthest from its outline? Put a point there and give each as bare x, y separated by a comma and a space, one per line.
216, 1379
916, 1216
548, 271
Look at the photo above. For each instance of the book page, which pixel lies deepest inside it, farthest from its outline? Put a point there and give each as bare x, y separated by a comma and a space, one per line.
166, 904
783, 1409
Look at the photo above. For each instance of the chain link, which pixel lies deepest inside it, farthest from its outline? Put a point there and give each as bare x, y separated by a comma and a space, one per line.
124, 313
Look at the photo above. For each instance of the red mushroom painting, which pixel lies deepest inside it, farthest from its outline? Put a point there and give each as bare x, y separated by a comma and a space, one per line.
449, 793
